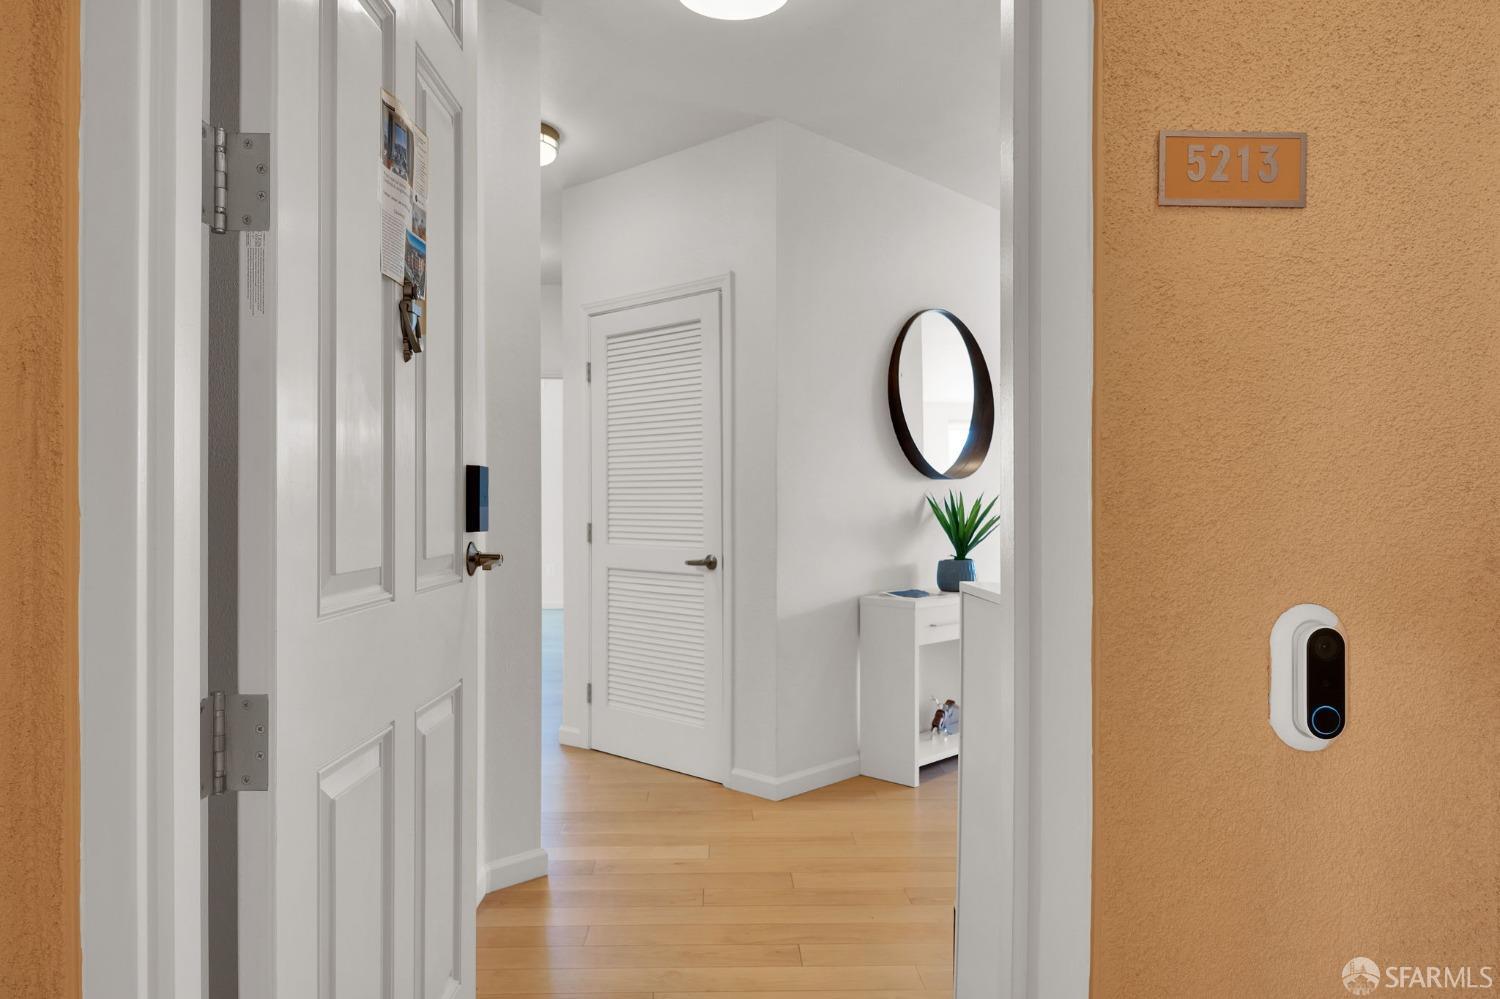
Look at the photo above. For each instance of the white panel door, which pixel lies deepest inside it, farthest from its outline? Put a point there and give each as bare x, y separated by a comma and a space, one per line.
357, 869
657, 662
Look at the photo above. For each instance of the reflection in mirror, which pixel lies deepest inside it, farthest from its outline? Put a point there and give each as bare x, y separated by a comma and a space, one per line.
942, 406
937, 389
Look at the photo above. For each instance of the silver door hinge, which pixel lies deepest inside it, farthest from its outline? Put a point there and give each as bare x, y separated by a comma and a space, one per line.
588, 693
234, 743
591, 532
588, 371
236, 180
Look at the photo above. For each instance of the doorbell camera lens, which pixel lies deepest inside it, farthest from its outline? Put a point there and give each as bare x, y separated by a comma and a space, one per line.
1325, 683
1326, 644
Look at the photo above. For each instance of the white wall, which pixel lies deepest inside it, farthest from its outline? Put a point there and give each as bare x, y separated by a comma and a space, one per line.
553, 351
553, 346
552, 493
832, 251
509, 40
696, 214
863, 246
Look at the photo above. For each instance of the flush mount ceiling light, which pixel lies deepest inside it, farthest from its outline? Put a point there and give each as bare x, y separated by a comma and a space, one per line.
550, 141
734, 10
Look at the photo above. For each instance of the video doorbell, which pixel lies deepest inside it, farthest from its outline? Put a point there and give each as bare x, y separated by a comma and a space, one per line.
1309, 677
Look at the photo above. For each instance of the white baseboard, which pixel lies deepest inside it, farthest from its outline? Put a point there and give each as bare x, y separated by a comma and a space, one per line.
801, 782
569, 735
512, 870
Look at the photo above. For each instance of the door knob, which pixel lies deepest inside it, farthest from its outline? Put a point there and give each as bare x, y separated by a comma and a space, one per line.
476, 559
708, 562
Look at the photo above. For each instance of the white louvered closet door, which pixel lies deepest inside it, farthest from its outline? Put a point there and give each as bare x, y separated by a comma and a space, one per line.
657, 622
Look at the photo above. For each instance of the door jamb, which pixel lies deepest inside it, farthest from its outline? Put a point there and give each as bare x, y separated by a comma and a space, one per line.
724, 285
141, 457
1045, 449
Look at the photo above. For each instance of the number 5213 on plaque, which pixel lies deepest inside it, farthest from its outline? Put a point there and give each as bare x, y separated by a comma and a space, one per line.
1233, 169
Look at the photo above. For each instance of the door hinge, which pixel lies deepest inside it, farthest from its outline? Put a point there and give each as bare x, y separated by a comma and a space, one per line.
590, 532
234, 743
588, 371
588, 693
236, 180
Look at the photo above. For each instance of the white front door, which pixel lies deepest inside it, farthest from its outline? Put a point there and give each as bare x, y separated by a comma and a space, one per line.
657, 663
357, 868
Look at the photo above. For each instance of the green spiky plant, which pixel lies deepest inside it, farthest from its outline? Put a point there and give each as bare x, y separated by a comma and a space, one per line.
966, 527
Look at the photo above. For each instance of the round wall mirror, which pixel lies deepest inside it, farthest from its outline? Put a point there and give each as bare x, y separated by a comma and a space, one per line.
942, 404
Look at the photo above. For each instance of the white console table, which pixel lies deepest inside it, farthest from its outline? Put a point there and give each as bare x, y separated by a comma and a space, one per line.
909, 653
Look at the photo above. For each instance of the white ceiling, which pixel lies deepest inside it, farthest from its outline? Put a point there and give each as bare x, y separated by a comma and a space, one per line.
911, 82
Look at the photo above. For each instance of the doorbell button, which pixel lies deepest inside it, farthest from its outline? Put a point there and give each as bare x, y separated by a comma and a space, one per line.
1325, 721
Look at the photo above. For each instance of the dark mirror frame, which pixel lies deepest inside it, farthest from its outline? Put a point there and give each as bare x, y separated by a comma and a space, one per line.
981, 421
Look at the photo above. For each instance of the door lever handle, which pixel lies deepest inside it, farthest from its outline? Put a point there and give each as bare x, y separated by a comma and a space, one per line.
708, 562
476, 559
409, 309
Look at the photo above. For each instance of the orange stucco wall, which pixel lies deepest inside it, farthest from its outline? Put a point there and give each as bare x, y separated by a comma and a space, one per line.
1297, 405
39, 946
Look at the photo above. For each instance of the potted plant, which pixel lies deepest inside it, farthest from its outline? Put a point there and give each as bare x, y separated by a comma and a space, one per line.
966, 527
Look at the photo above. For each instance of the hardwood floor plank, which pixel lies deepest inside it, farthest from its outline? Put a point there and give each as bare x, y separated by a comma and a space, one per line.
669, 798
771, 862
729, 820
652, 956
867, 805
581, 800
642, 853
805, 995
520, 897
668, 835
871, 822
784, 848
874, 955
595, 995
551, 980
532, 936
792, 896
505, 915
932, 835
938, 978
848, 880
931, 896
746, 934
625, 882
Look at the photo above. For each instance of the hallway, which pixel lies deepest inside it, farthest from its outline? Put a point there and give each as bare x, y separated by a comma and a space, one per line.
663, 885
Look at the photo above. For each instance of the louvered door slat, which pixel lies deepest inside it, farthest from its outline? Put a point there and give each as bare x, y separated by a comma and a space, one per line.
638, 678
655, 430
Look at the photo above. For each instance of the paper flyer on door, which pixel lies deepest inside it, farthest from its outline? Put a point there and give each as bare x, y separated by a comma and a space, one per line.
404, 181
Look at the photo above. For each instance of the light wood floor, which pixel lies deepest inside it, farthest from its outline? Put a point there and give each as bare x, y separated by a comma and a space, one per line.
667, 887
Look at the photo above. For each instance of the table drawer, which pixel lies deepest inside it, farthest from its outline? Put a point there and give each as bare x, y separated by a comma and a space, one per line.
937, 623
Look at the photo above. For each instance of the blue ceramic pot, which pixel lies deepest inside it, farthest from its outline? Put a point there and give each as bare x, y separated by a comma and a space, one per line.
952, 571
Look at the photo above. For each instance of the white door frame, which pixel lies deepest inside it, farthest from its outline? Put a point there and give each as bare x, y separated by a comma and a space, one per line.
141, 450
1044, 445
724, 285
